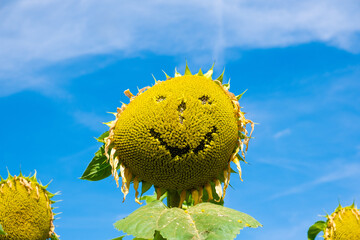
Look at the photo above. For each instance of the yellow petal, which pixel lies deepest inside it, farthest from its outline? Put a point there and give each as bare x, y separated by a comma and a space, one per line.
128, 93
227, 173
123, 179
201, 191
195, 196
209, 191
136, 186
218, 189
128, 176
182, 198
236, 161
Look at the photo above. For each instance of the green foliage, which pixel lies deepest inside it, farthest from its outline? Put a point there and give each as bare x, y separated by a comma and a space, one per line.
151, 198
157, 236
314, 230
99, 167
119, 238
203, 221
102, 137
54, 237
238, 97
2, 232
145, 186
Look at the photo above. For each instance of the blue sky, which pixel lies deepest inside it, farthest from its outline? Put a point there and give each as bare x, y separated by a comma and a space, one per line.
64, 64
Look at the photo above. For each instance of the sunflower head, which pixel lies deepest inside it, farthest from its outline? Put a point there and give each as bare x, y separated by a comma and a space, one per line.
25, 209
180, 134
343, 224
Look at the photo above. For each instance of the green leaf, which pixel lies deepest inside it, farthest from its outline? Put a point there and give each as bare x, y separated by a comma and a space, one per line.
314, 230
119, 238
99, 168
152, 198
102, 136
142, 222
145, 186
203, 221
157, 236
218, 222
2, 232
54, 237
148, 198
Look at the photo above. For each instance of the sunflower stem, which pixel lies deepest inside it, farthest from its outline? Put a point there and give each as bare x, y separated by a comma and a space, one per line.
173, 198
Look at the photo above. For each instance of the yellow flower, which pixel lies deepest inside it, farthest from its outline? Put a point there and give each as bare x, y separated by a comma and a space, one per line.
25, 209
180, 134
343, 224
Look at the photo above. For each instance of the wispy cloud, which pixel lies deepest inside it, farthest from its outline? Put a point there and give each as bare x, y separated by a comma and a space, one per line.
297, 229
89, 119
36, 34
338, 173
285, 163
282, 133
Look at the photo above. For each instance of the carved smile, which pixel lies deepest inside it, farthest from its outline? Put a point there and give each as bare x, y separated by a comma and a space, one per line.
175, 151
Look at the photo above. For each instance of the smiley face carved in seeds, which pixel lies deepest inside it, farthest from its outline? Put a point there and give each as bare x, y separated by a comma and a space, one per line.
180, 134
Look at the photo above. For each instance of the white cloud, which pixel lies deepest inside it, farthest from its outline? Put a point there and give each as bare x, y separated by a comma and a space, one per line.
296, 230
35, 34
282, 133
89, 119
338, 172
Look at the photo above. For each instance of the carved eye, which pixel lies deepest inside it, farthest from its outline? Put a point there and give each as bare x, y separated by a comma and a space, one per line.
182, 107
160, 98
205, 99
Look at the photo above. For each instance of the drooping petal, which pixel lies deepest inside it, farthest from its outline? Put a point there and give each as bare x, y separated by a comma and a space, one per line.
195, 196
124, 190
218, 189
136, 186
182, 198
128, 94
201, 192
227, 173
236, 161
114, 170
128, 176
209, 191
